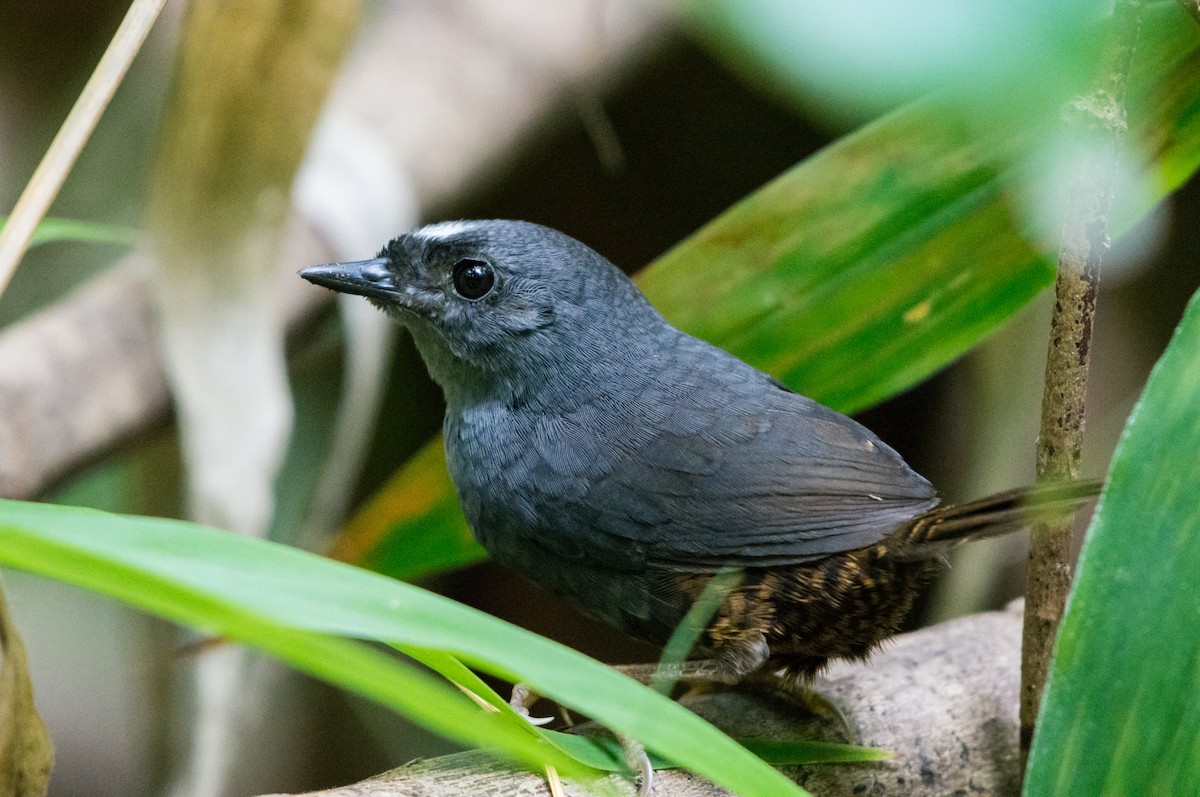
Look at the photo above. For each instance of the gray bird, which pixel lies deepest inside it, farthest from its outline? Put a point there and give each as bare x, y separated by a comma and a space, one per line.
621, 463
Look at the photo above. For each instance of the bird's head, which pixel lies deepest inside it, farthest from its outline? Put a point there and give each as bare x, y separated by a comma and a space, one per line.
494, 304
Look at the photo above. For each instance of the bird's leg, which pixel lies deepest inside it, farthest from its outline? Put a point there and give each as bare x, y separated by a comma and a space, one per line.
710, 672
689, 673
735, 659
743, 654
801, 693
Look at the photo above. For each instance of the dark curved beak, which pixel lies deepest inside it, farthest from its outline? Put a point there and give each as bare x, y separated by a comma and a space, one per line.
371, 278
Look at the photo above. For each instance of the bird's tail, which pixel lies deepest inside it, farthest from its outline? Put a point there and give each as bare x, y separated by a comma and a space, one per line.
937, 530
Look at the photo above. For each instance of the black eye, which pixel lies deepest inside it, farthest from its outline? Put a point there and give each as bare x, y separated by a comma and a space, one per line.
473, 278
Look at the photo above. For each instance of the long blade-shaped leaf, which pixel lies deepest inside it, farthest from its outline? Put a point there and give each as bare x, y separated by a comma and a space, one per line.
289, 602
348, 663
51, 230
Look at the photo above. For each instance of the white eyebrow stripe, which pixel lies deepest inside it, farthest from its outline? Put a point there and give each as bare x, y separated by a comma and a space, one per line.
443, 229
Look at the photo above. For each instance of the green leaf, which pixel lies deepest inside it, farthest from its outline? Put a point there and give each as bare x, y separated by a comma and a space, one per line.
1121, 711
866, 57
348, 663
866, 268
606, 754
425, 528
53, 230
782, 752
293, 604
685, 636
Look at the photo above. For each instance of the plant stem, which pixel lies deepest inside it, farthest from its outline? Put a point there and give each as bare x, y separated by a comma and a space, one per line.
56, 164
1100, 116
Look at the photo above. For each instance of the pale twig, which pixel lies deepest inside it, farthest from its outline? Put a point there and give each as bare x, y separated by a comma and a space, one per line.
56, 164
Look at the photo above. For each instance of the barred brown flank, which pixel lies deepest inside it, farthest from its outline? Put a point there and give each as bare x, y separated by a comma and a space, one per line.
844, 605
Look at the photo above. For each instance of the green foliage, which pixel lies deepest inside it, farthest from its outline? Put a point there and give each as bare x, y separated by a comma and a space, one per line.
1121, 711
53, 230
859, 59
313, 613
605, 753
867, 267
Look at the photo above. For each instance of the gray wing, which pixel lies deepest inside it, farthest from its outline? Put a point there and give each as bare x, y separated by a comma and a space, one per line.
722, 465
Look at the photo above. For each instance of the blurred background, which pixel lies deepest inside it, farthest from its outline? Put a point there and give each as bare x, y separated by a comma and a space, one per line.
647, 135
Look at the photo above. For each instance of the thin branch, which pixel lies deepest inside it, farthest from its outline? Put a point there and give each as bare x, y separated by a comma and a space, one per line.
56, 164
1100, 114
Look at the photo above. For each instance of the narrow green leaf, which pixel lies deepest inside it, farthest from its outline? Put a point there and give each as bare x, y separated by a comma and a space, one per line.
348, 663
782, 752
54, 230
1121, 711
255, 591
458, 673
852, 58
605, 753
867, 267
685, 636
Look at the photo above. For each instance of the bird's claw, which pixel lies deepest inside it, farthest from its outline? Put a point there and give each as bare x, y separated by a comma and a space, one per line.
521, 699
637, 760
